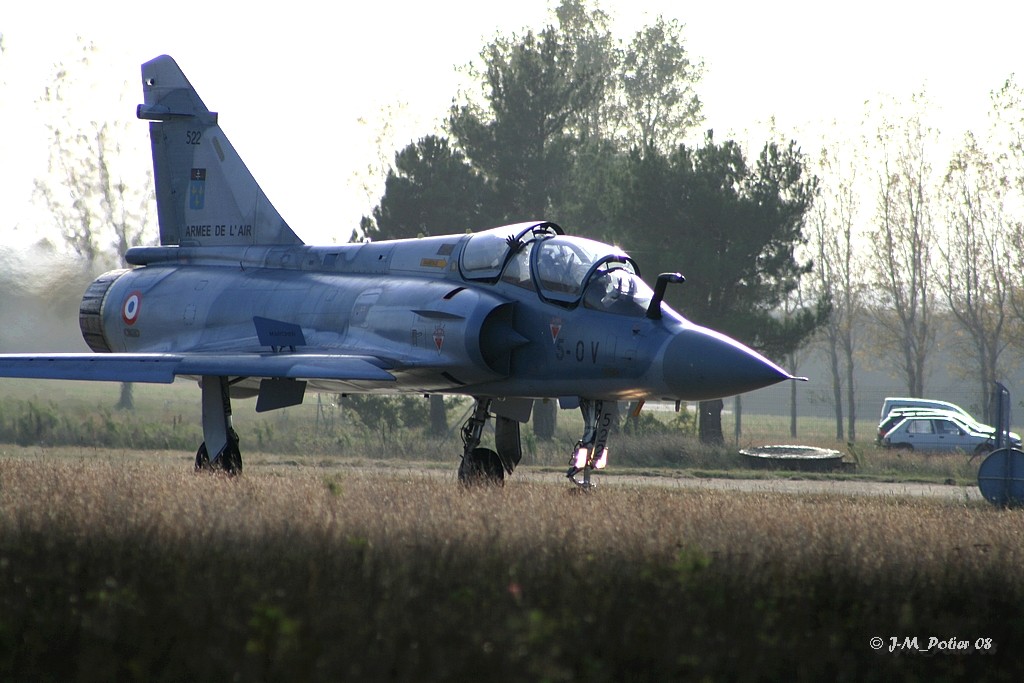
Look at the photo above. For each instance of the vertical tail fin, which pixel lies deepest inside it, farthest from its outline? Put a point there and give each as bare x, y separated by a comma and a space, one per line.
205, 195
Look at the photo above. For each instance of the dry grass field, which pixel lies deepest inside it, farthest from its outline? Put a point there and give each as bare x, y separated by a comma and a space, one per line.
127, 566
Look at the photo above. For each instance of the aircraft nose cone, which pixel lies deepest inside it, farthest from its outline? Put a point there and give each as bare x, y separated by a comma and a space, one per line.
703, 364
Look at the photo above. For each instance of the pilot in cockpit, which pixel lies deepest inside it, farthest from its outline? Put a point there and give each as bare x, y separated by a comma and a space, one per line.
560, 270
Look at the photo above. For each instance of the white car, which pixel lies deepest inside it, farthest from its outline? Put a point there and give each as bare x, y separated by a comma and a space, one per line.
899, 414
933, 433
892, 403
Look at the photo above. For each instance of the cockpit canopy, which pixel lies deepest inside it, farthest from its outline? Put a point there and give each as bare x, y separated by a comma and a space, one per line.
563, 270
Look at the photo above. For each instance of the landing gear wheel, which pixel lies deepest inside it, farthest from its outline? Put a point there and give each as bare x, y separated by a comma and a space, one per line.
481, 466
230, 459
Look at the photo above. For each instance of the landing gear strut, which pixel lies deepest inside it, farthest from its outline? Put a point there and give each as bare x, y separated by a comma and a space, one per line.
479, 465
483, 465
219, 437
591, 451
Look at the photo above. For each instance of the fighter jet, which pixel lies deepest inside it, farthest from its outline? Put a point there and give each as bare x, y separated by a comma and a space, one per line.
233, 298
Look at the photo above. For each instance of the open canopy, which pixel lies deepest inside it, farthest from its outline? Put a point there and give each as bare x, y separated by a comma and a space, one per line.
562, 270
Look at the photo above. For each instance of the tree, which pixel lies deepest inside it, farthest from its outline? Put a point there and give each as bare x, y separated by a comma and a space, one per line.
976, 262
431, 190
903, 245
659, 101
585, 29
594, 190
838, 277
96, 211
733, 231
1007, 135
521, 137
649, 102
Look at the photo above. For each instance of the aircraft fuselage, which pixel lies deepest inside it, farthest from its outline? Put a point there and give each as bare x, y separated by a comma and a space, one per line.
403, 301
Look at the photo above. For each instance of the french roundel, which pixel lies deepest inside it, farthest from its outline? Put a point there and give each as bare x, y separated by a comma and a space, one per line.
130, 310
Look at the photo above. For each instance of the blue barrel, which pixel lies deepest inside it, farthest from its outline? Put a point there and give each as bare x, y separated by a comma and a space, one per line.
1001, 477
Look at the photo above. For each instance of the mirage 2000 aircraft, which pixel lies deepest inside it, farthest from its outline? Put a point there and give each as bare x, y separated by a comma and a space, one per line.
233, 298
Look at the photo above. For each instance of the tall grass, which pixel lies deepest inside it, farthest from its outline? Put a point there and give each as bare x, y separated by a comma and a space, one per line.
128, 566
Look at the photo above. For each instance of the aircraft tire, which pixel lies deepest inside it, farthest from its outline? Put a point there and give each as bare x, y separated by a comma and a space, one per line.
230, 460
482, 466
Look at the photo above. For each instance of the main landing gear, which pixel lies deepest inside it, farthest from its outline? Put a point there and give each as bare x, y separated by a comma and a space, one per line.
482, 465
591, 451
229, 459
219, 437
485, 466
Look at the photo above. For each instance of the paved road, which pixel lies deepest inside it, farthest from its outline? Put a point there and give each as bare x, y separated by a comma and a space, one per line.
779, 485
812, 486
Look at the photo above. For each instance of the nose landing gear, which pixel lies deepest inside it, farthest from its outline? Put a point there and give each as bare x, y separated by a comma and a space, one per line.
591, 452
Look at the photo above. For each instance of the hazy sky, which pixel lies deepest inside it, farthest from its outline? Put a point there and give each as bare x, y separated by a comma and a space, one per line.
302, 91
